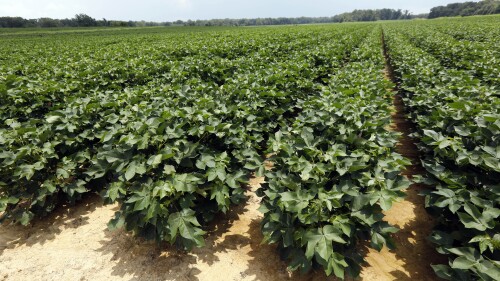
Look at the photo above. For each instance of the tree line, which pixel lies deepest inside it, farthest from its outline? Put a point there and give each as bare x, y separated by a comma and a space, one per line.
374, 15
83, 20
80, 20
485, 7
356, 15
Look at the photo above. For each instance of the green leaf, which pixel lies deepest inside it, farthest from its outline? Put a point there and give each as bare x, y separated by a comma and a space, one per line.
333, 234
162, 189
296, 201
168, 169
312, 237
130, 172
338, 266
155, 160
462, 130
444, 143
319, 241
50, 186
468, 252
211, 174
221, 173
117, 222
457, 105
443, 271
462, 263
186, 182
141, 201
53, 119
377, 241
470, 222
186, 225
361, 201
115, 190
26, 217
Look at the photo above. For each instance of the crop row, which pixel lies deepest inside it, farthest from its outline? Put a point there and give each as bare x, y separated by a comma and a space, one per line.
335, 170
84, 66
478, 29
458, 126
480, 58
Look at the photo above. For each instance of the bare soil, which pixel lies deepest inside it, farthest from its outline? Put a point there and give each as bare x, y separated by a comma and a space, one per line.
414, 254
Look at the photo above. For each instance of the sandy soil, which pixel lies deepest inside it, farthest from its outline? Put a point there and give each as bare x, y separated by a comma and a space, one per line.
412, 258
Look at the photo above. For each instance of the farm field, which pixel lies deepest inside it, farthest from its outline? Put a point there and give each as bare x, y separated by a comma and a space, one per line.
317, 152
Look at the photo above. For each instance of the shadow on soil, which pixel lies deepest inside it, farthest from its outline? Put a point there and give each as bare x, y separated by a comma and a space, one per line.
267, 264
413, 248
144, 260
48, 228
149, 261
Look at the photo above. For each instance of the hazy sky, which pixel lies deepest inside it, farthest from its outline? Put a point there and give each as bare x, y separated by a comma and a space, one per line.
169, 10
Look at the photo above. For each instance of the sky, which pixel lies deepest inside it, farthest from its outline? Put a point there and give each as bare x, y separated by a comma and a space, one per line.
170, 10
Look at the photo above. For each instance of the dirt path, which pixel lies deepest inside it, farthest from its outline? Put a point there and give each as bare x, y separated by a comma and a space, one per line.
412, 258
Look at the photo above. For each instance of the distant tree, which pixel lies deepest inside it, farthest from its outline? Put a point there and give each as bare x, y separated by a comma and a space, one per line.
12, 22
373, 15
397, 14
484, 7
116, 23
467, 11
85, 20
103, 22
30, 23
69, 22
488, 7
386, 14
406, 15
48, 22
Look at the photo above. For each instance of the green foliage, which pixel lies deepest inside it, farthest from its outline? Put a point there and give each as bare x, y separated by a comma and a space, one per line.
484, 7
171, 123
452, 96
335, 170
171, 131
